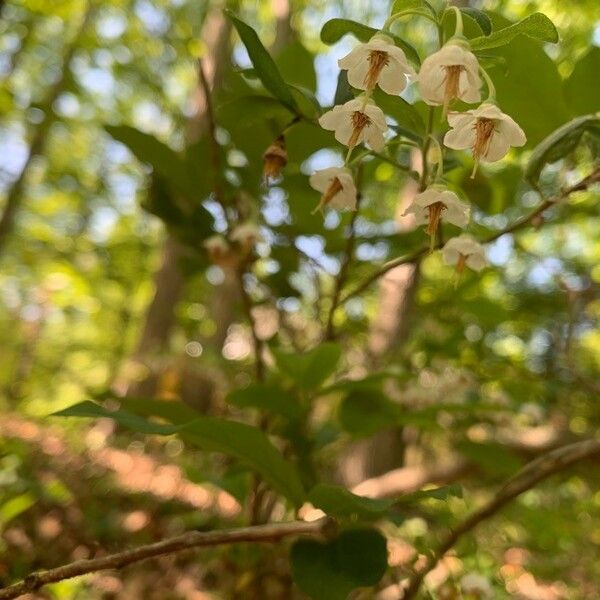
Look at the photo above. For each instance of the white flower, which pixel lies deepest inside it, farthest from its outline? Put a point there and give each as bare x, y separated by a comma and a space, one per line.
246, 234
216, 244
355, 122
487, 131
336, 185
437, 203
476, 585
378, 61
449, 74
464, 250
219, 251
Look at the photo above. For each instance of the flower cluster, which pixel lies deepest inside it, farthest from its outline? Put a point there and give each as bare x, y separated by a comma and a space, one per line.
235, 250
451, 74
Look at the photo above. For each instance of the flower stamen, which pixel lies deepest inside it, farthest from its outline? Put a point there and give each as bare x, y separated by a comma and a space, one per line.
484, 131
434, 216
377, 60
451, 84
335, 187
360, 120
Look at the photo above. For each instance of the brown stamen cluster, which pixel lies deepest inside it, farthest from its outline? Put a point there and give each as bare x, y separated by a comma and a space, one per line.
460, 264
452, 84
359, 121
275, 158
484, 130
377, 60
435, 215
334, 188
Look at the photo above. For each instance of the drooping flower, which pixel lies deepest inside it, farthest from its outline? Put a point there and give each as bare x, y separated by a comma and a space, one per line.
437, 203
377, 62
275, 158
337, 188
452, 73
219, 250
355, 122
464, 250
476, 586
487, 131
246, 235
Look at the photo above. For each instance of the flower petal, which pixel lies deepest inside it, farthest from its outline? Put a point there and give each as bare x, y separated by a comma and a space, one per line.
462, 137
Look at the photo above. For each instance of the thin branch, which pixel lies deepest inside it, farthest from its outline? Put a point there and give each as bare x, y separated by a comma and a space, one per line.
518, 224
270, 533
340, 280
533, 473
215, 148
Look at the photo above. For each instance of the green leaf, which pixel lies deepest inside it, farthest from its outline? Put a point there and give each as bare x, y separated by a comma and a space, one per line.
164, 160
581, 88
418, 5
123, 417
15, 506
560, 143
363, 412
405, 114
440, 493
335, 29
357, 558
537, 26
343, 90
310, 369
340, 502
265, 66
480, 18
530, 73
250, 445
267, 397
494, 458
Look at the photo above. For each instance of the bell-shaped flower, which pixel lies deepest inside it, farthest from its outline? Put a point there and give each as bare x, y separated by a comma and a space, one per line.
477, 586
246, 235
336, 186
377, 62
219, 251
452, 73
357, 121
487, 131
464, 250
275, 158
437, 203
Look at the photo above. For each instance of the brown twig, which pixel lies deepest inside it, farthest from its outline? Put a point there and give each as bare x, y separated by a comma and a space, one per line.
340, 280
537, 470
257, 342
215, 149
516, 225
270, 533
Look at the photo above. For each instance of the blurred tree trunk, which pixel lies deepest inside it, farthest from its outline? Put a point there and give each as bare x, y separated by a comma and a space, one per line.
38, 135
169, 281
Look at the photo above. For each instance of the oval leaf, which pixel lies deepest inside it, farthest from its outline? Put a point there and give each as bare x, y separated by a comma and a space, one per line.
357, 558
537, 26
340, 502
310, 369
250, 445
560, 143
265, 66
